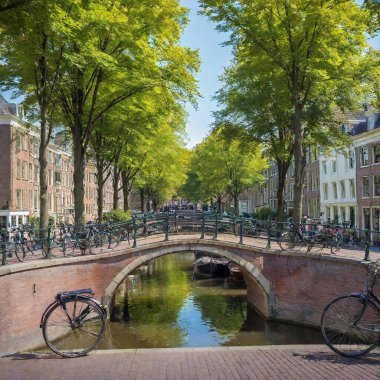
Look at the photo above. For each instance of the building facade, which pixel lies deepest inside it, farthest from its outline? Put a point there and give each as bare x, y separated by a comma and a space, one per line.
19, 175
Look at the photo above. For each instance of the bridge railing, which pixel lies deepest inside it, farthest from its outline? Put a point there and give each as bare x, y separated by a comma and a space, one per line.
67, 240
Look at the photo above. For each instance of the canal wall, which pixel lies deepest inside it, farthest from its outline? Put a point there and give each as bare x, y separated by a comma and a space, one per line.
291, 287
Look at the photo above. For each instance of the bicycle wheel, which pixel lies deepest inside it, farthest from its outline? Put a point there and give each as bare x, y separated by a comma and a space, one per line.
335, 244
350, 326
19, 252
75, 331
289, 241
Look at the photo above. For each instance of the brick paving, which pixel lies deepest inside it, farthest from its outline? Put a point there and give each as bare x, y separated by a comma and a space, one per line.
223, 363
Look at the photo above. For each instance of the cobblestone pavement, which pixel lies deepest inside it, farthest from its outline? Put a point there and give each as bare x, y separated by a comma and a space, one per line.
229, 363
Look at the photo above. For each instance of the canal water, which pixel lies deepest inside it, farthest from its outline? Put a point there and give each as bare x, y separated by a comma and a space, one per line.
161, 305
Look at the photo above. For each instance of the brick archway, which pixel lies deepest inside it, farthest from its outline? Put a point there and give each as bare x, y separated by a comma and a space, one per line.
258, 286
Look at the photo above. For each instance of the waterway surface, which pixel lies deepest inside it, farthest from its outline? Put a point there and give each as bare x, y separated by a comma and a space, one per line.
161, 305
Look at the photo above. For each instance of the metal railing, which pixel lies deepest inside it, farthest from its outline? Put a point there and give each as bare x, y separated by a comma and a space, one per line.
93, 238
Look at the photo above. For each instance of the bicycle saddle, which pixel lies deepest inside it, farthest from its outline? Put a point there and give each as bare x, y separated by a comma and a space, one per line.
74, 293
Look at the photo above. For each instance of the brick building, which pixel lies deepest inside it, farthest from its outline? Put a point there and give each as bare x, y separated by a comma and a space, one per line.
19, 174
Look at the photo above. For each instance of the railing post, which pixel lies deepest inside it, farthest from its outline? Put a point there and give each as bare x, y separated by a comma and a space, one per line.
145, 231
167, 226
134, 245
366, 245
269, 231
241, 230
216, 226
203, 226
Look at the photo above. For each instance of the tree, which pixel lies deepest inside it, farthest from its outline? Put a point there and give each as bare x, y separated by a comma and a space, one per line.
315, 45
32, 53
118, 50
228, 166
164, 169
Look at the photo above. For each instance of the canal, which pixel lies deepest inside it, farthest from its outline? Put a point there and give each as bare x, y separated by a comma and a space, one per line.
161, 305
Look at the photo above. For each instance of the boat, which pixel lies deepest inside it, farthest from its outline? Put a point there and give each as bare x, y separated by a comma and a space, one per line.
235, 273
206, 267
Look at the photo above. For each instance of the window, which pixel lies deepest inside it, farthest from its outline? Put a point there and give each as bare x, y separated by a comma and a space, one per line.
57, 178
18, 169
30, 205
335, 190
326, 191
334, 166
376, 219
376, 154
364, 156
58, 160
18, 141
351, 159
18, 198
352, 188
376, 187
30, 172
342, 189
36, 173
24, 170
365, 183
35, 199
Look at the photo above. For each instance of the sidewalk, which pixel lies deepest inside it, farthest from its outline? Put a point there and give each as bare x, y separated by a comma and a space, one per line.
228, 363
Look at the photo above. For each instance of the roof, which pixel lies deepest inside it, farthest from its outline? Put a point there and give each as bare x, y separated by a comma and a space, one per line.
7, 108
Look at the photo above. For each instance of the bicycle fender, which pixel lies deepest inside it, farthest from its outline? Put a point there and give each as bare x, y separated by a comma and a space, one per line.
46, 311
363, 297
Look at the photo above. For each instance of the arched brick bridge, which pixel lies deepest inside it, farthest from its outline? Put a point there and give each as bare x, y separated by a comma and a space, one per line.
292, 287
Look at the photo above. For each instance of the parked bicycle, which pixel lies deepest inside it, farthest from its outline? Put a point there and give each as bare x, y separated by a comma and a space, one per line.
351, 324
74, 323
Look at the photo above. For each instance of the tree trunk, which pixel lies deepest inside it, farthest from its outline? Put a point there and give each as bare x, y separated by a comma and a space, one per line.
44, 207
142, 200
44, 138
125, 182
219, 201
115, 185
99, 199
79, 168
282, 168
298, 163
236, 204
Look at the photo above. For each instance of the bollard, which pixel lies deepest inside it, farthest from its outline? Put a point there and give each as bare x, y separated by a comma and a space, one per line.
166, 226
269, 231
216, 226
367, 243
134, 231
241, 230
203, 225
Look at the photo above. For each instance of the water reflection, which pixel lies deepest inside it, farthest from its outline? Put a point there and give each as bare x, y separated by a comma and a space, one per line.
160, 305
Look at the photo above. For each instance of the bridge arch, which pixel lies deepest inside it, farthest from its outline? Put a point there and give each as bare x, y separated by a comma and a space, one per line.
258, 286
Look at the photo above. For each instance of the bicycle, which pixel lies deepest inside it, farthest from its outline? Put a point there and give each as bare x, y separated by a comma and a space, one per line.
350, 324
74, 323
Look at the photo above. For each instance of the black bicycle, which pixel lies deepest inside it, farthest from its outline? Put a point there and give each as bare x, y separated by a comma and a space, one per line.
74, 323
351, 324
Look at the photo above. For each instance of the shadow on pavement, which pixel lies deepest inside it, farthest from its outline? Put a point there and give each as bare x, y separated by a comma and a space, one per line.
372, 358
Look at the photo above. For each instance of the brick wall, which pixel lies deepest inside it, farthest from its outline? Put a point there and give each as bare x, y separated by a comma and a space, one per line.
5, 170
299, 286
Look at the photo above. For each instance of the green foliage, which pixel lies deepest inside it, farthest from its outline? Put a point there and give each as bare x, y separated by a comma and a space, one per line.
117, 216
304, 56
224, 164
264, 213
